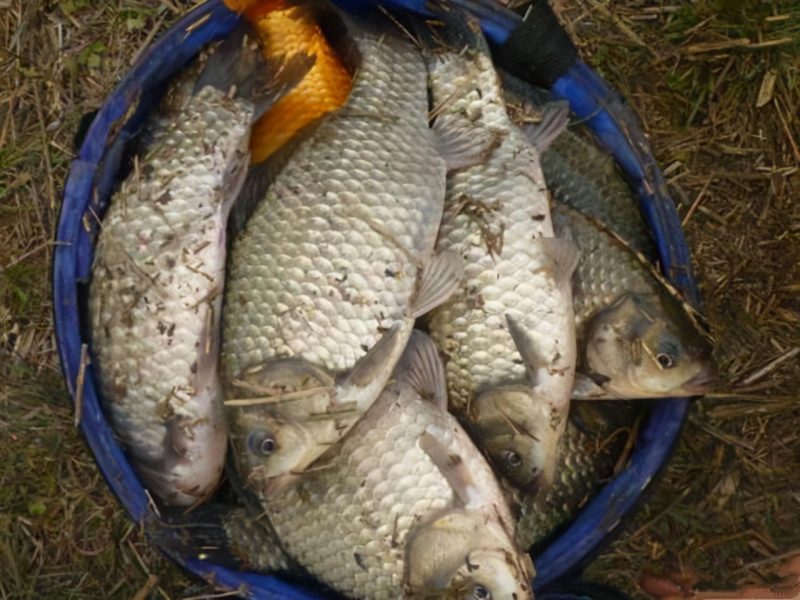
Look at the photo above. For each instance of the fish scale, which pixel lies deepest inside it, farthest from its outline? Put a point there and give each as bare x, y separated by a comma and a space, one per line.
497, 218
156, 279
350, 520
606, 269
329, 259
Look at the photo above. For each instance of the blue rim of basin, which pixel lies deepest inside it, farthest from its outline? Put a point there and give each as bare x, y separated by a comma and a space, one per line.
88, 187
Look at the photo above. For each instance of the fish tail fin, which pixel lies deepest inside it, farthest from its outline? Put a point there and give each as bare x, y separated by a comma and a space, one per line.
238, 68
199, 533
555, 118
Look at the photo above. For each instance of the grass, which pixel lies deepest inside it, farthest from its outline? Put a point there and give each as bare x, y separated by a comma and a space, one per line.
717, 86
62, 534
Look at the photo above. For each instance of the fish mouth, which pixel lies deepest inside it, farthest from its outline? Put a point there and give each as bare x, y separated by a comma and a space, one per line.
702, 383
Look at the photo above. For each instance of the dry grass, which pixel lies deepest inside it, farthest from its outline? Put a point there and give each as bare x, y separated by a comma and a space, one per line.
722, 115
717, 84
62, 534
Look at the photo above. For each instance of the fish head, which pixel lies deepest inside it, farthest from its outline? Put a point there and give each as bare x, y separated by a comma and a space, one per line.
272, 429
492, 573
647, 346
466, 556
266, 446
515, 429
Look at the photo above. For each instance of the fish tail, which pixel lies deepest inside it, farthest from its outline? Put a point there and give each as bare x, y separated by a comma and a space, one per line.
238, 68
199, 533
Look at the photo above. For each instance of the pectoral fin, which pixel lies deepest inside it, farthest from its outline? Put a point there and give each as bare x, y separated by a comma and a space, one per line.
586, 388
462, 145
526, 346
422, 368
366, 379
451, 466
564, 255
437, 282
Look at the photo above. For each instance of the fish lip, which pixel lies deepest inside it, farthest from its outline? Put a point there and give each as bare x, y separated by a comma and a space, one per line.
703, 382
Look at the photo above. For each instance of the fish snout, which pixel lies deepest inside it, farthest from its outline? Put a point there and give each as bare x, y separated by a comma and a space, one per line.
703, 382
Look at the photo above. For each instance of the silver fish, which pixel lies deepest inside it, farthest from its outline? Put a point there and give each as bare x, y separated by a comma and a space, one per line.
337, 260
158, 274
508, 332
636, 338
404, 506
579, 174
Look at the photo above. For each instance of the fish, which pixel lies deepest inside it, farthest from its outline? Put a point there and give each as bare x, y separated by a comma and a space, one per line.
286, 28
158, 274
227, 533
636, 337
579, 174
405, 505
253, 542
615, 280
508, 332
336, 262
595, 446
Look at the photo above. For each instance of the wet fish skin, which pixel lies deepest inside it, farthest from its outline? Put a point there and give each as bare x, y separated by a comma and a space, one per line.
333, 260
636, 338
402, 504
508, 332
579, 174
158, 274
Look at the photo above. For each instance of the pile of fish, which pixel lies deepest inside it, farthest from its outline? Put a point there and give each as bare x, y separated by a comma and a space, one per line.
381, 460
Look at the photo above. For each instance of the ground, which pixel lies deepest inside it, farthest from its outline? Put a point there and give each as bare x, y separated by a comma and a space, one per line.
717, 85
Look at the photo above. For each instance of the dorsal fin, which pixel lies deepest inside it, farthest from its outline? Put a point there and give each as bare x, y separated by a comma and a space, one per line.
694, 316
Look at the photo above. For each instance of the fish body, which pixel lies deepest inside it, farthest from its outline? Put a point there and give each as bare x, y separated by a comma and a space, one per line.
254, 543
404, 506
627, 317
337, 260
579, 174
508, 331
589, 453
636, 338
157, 279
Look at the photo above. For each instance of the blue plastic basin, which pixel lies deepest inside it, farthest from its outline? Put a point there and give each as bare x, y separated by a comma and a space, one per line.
87, 189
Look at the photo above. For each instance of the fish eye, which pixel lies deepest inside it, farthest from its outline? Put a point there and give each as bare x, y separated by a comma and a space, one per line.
261, 443
512, 459
481, 593
666, 361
